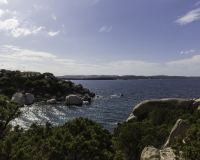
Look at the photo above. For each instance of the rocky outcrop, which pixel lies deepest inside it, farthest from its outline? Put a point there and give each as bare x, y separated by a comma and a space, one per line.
46, 87
180, 128
52, 101
29, 98
151, 153
198, 101
73, 100
173, 103
86, 98
166, 153
18, 97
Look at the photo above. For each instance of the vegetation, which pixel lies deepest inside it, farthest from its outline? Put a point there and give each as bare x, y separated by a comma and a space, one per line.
12, 81
80, 139
84, 139
151, 129
190, 146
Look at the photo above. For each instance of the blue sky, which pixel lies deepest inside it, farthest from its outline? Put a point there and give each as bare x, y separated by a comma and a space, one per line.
101, 37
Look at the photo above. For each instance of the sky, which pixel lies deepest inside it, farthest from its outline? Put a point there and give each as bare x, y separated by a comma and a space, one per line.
101, 37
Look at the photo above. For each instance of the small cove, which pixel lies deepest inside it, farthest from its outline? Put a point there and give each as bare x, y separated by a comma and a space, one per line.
109, 108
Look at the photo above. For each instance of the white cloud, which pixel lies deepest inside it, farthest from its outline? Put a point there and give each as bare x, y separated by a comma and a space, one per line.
198, 3
12, 12
53, 16
185, 63
189, 17
191, 51
37, 30
109, 29
4, 1
9, 24
1, 12
17, 54
20, 31
12, 24
105, 29
53, 33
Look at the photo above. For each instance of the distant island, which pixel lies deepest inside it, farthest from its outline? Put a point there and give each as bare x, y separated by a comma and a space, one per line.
124, 77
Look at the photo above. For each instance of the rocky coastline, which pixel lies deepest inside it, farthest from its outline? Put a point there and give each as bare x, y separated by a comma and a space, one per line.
41, 88
164, 151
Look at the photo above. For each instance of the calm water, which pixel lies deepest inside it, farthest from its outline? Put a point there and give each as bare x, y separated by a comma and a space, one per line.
109, 108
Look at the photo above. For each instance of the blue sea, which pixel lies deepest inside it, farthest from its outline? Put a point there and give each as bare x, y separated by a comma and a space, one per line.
108, 108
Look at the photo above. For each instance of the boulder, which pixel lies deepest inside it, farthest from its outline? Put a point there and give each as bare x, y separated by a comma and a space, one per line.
150, 153
86, 98
198, 101
73, 100
29, 98
47, 78
173, 103
180, 128
166, 153
18, 97
23, 92
52, 101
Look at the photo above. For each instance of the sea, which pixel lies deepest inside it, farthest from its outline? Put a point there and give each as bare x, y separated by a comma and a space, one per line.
108, 107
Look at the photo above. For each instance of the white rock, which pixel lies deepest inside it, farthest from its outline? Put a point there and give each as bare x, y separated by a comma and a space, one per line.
52, 101
86, 98
179, 129
73, 100
29, 98
18, 97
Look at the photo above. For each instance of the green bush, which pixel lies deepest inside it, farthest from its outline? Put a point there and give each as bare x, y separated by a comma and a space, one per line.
152, 129
28, 84
78, 139
55, 88
69, 82
9, 111
190, 148
8, 91
40, 77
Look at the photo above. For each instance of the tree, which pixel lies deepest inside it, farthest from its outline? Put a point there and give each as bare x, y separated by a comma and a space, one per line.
8, 112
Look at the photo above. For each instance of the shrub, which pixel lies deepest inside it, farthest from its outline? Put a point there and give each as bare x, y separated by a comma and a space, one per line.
190, 148
55, 88
8, 91
152, 129
78, 139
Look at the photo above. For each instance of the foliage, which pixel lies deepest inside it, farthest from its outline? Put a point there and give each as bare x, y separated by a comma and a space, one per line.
151, 129
190, 144
69, 82
8, 112
80, 139
8, 91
